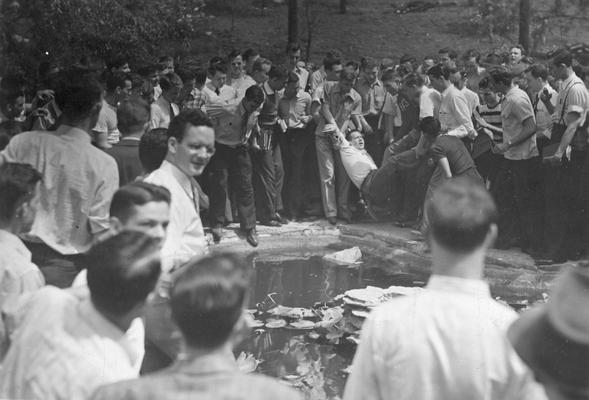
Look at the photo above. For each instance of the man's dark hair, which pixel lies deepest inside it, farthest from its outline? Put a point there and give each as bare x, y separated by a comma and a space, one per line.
132, 115
292, 77
165, 59
122, 271
8, 130
200, 76
501, 76
407, 58
347, 77
116, 62
485, 83
387, 75
259, 63
136, 194
562, 56
329, 63
77, 93
413, 80
292, 48
441, 71
186, 74
278, 72
8, 98
17, 185
254, 93
217, 68
153, 148
114, 80
233, 54
353, 64
170, 80
186, 118
147, 70
135, 79
367, 63
472, 53
538, 71
430, 126
249, 53
460, 214
208, 298
451, 53
520, 47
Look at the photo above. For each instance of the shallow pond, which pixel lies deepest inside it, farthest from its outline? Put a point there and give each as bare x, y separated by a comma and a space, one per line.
298, 356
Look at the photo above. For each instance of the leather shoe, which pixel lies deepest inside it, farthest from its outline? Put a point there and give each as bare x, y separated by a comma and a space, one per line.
332, 220
252, 237
281, 219
270, 222
217, 232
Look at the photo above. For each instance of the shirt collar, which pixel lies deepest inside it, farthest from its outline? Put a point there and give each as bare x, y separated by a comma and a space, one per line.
73, 132
267, 88
211, 363
473, 287
181, 177
12, 241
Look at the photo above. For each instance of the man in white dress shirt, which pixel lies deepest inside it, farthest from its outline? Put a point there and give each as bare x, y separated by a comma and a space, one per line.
191, 143
63, 345
447, 342
78, 183
293, 52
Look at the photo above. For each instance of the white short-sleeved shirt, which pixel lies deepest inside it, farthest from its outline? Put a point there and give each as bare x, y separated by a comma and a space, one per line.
429, 102
357, 163
515, 109
455, 110
160, 113
447, 342
107, 123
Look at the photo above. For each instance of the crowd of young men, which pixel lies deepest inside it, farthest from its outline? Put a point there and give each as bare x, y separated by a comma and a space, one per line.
106, 180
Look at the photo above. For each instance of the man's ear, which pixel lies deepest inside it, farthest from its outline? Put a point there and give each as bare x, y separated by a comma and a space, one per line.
491, 236
116, 225
172, 145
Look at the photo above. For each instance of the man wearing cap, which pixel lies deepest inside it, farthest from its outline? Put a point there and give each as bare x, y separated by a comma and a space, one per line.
446, 342
553, 338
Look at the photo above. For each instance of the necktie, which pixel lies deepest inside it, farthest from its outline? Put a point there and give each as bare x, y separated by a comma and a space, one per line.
217, 91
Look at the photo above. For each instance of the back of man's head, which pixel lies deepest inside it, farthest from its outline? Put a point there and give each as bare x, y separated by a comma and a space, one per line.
562, 56
136, 194
78, 93
153, 147
169, 81
132, 115
501, 76
441, 71
187, 118
17, 186
114, 80
460, 213
255, 94
122, 271
208, 299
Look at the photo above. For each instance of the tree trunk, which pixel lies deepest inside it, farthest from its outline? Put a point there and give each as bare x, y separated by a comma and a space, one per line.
293, 21
343, 6
524, 23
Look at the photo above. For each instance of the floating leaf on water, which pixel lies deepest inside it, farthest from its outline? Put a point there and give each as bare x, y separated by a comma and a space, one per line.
369, 296
302, 324
330, 317
256, 323
246, 362
314, 335
345, 257
291, 312
275, 323
360, 313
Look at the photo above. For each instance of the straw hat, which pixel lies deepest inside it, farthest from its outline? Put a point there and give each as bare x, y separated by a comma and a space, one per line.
553, 339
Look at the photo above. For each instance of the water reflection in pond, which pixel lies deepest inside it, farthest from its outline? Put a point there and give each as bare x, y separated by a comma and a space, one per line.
315, 366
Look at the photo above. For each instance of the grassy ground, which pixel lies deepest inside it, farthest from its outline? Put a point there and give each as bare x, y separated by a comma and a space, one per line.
371, 27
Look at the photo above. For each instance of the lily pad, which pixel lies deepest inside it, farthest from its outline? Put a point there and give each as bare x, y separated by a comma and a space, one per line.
275, 323
302, 324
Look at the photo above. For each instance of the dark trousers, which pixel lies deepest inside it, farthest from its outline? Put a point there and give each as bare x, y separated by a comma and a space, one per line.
564, 207
298, 144
232, 166
374, 142
268, 179
488, 164
520, 200
58, 269
380, 183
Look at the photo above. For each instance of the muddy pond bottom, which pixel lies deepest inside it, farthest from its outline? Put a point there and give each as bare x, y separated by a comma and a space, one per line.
316, 366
